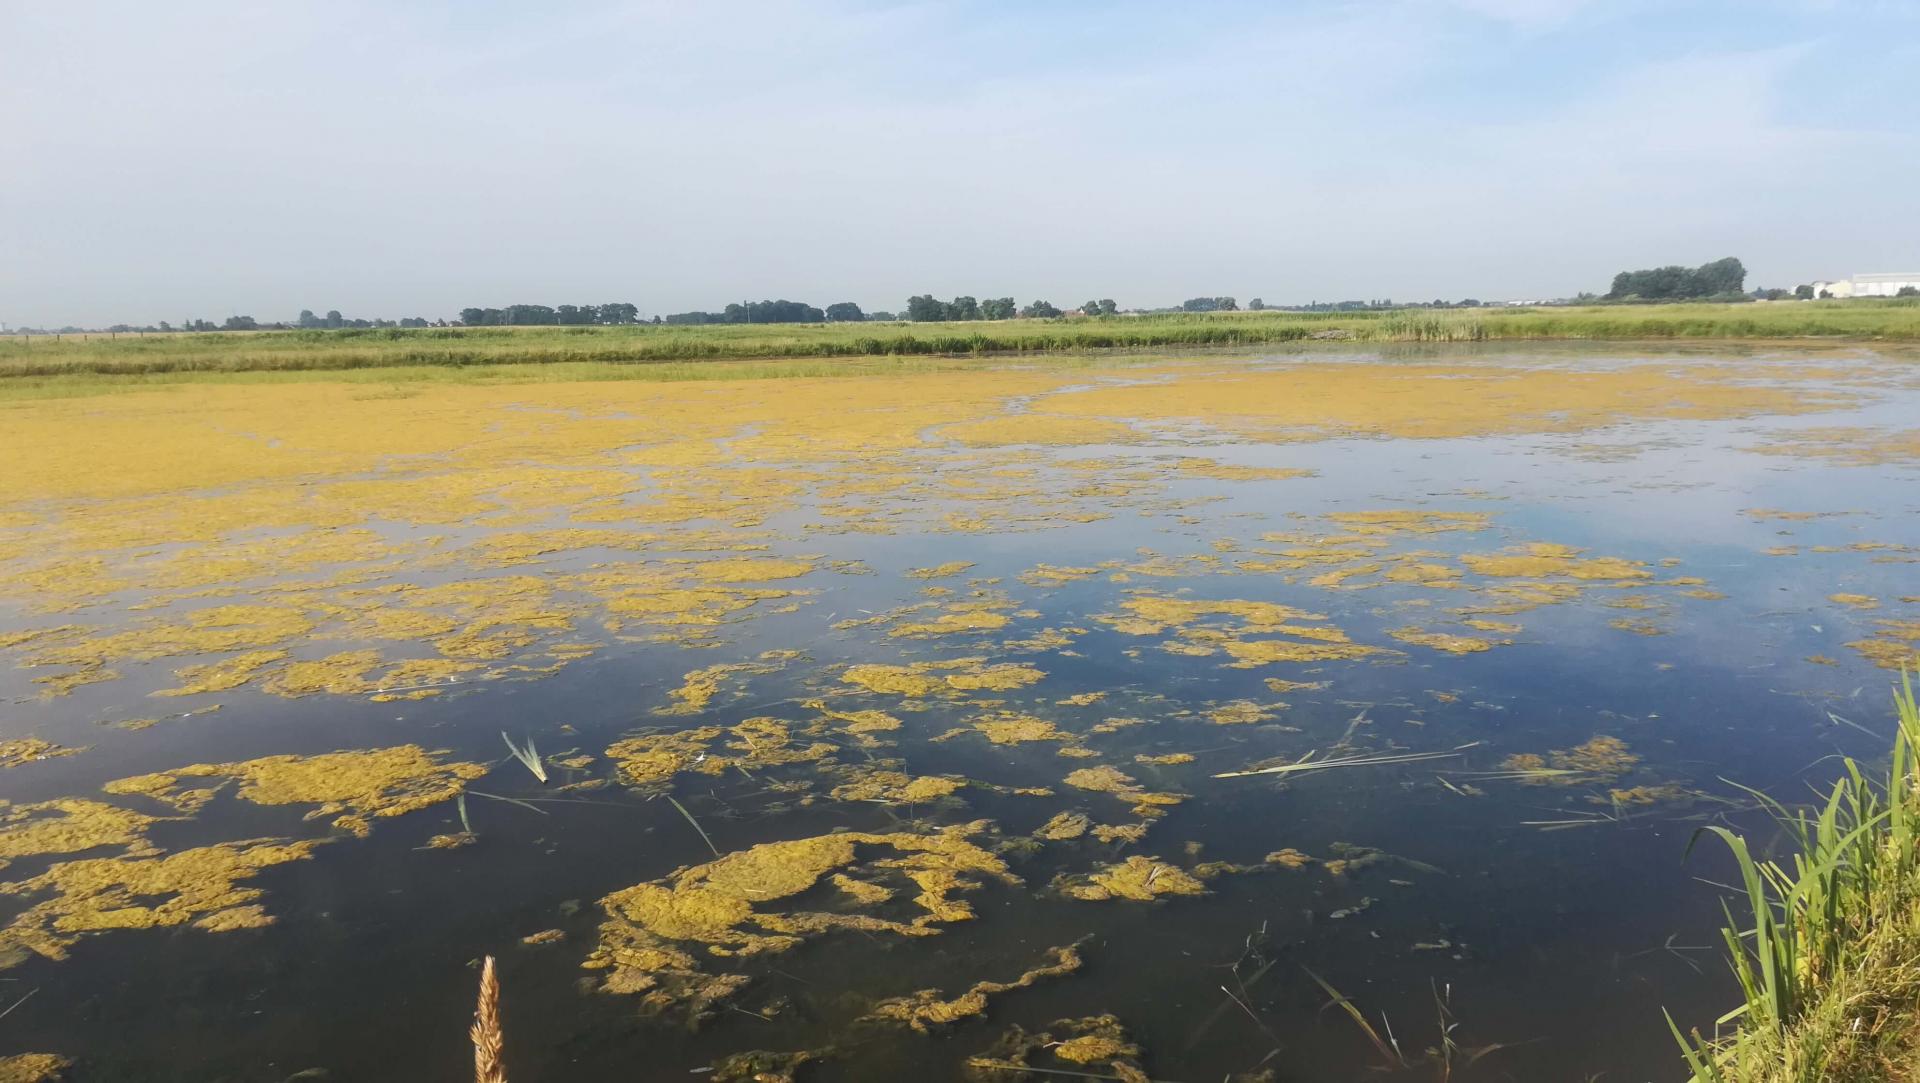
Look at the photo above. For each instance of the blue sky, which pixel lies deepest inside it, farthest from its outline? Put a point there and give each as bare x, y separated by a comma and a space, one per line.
205, 159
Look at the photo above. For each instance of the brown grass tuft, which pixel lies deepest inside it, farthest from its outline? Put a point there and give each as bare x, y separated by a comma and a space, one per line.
487, 1037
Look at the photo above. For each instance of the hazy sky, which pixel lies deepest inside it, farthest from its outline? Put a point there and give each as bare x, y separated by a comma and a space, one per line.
167, 160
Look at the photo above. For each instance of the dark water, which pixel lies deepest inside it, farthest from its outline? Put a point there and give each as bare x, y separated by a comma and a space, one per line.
1563, 941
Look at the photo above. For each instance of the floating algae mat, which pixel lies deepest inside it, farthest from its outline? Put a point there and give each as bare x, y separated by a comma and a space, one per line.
979, 724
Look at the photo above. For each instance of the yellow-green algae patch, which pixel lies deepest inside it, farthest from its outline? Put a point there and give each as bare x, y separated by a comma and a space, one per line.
343, 673
201, 887
925, 1009
1013, 728
923, 679
32, 1067
1214, 470
353, 786
221, 676
1141, 879
22, 750
699, 686
1603, 759
1410, 522
70, 825
1064, 826
1094, 1039
1542, 560
1896, 645
896, 787
1443, 641
652, 929
649, 758
1112, 780
940, 571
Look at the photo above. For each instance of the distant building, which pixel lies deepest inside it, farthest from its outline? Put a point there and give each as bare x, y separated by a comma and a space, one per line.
1882, 285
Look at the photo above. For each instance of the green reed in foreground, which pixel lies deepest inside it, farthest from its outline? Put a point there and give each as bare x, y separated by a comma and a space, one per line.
457, 347
1826, 944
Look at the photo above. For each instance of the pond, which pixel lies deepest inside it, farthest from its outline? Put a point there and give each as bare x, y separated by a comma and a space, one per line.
1315, 712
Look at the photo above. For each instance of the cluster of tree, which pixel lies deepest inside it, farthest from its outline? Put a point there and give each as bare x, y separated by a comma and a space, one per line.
1210, 304
926, 308
1102, 307
542, 316
1369, 306
333, 318
762, 312
1722, 277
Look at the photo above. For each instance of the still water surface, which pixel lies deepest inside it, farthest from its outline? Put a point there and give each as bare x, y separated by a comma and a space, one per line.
1549, 911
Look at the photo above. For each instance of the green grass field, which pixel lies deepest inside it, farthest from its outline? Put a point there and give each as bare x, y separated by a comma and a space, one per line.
293, 351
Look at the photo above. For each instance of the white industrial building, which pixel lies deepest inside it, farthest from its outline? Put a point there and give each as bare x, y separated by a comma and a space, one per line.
1884, 285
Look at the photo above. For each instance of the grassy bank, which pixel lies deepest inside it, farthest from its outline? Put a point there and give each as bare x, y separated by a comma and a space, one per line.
1826, 941
292, 351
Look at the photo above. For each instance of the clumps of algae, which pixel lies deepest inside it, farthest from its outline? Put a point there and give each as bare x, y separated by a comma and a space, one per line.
1203, 627
1443, 641
1847, 446
1545, 560
201, 887
21, 750
352, 786
923, 679
223, 675
1410, 522
699, 686
762, 1066
1095, 1039
1213, 470
1896, 645
1602, 759
652, 929
1239, 712
895, 787
71, 825
345, 673
1112, 780
925, 1010
32, 1067
860, 725
940, 571
1049, 575
649, 758
1141, 879
1063, 827
1014, 728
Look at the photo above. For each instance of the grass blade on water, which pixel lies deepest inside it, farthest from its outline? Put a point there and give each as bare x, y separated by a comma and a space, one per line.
696, 826
528, 756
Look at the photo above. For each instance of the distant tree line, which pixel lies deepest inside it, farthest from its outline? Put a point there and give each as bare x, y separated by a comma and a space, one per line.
927, 308
1209, 304
767, 312
309, 322
1721, 278
542, 316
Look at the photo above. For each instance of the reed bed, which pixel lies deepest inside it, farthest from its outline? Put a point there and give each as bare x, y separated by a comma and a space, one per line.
347, 349
1825, 940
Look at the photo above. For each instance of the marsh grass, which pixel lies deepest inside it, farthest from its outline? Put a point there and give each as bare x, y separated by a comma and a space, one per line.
691, 348
1825, 941
489, 1040
529, 757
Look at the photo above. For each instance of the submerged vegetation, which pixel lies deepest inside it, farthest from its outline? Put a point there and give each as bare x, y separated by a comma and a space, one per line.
1825, 940
332, 350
